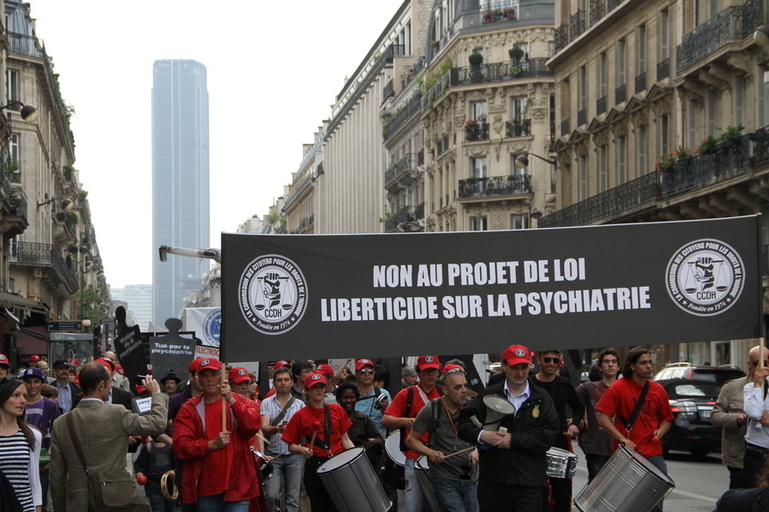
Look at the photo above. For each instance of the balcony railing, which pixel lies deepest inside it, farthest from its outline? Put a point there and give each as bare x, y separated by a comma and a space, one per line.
299, 188
36, 254
644, 192
495, 186
663, 69
66, 274
582, 117
24, 44
640, 82
409, 162
505, 11
565, 128
597, 11
479, 131
404, 214
600, 106
442, 145
578, 25
518, 128
620, 94
708, 37
388, 90
409, 110
500, 71
305, 224
561, 37
17, 201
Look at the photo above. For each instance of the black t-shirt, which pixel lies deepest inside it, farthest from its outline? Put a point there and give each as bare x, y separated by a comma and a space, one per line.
563, 395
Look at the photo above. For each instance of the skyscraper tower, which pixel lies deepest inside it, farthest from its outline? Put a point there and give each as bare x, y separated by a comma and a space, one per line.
180, 196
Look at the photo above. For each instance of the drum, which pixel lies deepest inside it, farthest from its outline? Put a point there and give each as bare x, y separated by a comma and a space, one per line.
352, 483
422, 467
393, 448
393, 466
628, 482
561, 463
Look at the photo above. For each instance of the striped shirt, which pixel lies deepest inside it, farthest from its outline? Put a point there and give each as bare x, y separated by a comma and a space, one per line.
272, 408
14, 463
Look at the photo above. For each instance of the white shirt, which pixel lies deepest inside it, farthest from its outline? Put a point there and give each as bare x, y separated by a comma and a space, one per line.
517, 401
754, 406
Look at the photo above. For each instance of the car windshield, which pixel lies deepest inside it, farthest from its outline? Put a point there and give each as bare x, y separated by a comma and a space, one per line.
719, 375
696, 389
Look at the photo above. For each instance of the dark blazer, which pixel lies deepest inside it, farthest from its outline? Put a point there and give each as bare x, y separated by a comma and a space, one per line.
119, 397
75, 393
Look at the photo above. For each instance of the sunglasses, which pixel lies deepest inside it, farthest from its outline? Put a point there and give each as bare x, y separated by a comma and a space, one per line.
548, 360
454, 370
754, 363
367, 371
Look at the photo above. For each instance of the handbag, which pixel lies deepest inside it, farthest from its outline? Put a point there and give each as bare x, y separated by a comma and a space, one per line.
110, 491
8, 500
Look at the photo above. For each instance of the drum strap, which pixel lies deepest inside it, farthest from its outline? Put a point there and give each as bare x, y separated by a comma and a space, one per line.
637, 409
409, 403
283, 411
325, 444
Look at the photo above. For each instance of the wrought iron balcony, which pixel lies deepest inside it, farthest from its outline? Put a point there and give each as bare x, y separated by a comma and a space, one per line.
404, 214
409, 162
505, 11
304, 225
687, 175
24, 44
597, 11
663, 69
640, 82
600, 106
518, 128
298, 188
582, 117
476, 132
442, 145
705, 39
561, 37
578, 25
409, 110
282, 229
612, 4
35, 254
388, 90
565, 128
620, 94
500, 71
495, 186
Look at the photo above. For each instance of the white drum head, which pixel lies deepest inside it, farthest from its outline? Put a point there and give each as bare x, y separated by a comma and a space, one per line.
560, 453
338, 461
498, 404
422, 463
393, 448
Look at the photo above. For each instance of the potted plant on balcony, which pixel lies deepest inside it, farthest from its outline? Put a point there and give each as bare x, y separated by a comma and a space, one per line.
475, 59
516, 71
471, 124
516, 54
731, 136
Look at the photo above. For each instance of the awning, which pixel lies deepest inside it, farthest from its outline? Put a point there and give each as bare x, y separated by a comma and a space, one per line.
32, 340
9, 300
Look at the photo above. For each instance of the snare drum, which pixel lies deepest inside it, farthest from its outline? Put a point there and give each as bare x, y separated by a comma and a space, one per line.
393, 448
561, 463
352, 483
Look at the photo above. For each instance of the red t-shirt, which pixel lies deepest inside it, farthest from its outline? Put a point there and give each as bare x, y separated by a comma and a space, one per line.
215, 482
397, 409
620, 400
309, 419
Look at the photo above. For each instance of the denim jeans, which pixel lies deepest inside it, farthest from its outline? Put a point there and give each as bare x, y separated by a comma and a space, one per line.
415, 499
157, 501
216, 503
456, 495
658, 461
288, 471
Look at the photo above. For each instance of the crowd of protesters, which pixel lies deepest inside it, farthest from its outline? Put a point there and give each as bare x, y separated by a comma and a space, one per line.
213, 442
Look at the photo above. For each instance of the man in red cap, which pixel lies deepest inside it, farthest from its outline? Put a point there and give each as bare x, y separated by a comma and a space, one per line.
239, 380
33, 360
328, 373
5, 366
191, 389
400, 414
212, 432
513, 459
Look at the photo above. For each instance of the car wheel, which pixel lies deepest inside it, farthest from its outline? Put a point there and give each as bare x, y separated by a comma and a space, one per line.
699, 452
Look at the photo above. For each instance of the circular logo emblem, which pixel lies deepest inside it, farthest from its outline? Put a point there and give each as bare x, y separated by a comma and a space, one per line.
242, 372
212, 326
428, 359
315, 377
519, 352
705, 277
273, 294
205, 362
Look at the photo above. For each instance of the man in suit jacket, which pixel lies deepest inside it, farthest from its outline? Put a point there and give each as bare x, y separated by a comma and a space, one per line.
68, 391
103, 431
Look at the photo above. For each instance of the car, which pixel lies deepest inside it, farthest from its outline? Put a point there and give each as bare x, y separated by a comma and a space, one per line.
719, 374
692, 402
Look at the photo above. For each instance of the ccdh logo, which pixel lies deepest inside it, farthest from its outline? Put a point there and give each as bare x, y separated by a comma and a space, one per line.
273, 294
705, 277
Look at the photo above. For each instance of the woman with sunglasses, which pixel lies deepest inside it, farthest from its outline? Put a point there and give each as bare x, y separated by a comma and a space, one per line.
19, 446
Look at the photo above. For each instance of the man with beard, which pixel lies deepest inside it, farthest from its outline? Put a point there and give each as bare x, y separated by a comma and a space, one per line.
455, 479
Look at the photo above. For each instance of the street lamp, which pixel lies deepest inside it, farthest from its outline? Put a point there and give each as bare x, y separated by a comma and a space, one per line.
28, 113
761, 36
66, 204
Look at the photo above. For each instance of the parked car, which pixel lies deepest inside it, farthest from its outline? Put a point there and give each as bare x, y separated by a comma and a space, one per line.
692, 402
719, 374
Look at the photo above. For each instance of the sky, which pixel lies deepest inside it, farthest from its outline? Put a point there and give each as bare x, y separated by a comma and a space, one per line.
274, 69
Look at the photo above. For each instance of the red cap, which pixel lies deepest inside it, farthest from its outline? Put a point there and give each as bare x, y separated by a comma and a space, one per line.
209, 363
106, 361
75, 362
282, 364
362, 363
427, 362
4, 360
194, 364
516, 354
450, 367
314, 379
34, 358
238, 375
324, 369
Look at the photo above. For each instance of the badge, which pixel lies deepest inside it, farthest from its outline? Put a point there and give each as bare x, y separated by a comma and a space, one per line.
535, 412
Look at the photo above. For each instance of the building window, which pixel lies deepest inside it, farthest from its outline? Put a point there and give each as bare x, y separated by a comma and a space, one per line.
519, 221
621, 62
621, 160
664, 134
583, 190
520, 106
641, 149
13, 156
603, 168
478, 167
712, 113
739, 101
11, 85
641, 48
762, 96
602, 75
664, 27
582, 88
478, 110
478, 224
692, 124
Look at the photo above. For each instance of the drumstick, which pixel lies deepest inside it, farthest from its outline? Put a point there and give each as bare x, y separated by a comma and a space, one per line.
460, 451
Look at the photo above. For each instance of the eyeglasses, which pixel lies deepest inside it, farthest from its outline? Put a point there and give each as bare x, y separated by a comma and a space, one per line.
754, 363
454, 370
548, 360
366, 371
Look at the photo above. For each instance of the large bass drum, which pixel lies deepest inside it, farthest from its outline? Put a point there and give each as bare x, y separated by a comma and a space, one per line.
628, 482
352, 483
393, 465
